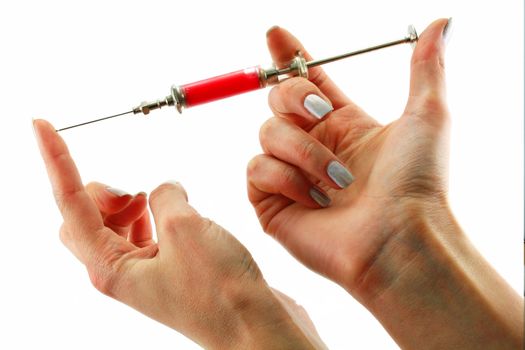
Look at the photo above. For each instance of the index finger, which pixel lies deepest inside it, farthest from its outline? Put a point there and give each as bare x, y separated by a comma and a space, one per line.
73, 201
283, 47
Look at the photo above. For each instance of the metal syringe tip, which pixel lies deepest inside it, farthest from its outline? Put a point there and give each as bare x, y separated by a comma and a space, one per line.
94, 121
147, 106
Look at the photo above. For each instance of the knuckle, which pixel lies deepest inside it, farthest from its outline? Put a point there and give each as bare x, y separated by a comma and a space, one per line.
295, 86
305, 150
62, 198
64, 234
287, 99
441, 63
107, 269
432, 107
254, 165
101, 281
318, 77
263, 220
288, 177
432, 102
267, 129
108, 280
181, 220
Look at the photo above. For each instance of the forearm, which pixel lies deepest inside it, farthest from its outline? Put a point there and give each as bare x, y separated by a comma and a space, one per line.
431, 289
253, 317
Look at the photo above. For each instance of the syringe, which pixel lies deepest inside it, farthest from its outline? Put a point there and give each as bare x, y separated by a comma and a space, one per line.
241, 81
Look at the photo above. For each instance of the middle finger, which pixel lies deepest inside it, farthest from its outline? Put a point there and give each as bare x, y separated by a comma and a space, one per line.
286, 141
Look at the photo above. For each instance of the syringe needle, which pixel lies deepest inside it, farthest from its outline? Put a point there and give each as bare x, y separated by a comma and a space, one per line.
94, 121
244, 80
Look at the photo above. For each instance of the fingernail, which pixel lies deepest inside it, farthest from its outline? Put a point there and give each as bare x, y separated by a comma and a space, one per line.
37, 135
272, 28
34, 131
117, 191
171, 182
319, 197
33, 120
447, 31
141, 194
317, 106
339, 174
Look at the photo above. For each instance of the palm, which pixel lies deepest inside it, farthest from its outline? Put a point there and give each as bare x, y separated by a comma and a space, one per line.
388, 166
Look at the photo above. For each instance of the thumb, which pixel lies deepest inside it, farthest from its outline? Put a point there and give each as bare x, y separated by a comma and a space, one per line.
427, 74
171, 211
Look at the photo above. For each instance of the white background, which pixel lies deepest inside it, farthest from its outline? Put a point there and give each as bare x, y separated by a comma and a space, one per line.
70, 61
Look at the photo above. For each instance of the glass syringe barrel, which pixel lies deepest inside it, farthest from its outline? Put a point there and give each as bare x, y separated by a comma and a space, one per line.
213, 89
222, 86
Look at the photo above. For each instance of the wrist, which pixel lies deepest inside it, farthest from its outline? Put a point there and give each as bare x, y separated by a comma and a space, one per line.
412, 230
258, 320
430, 288
266, 323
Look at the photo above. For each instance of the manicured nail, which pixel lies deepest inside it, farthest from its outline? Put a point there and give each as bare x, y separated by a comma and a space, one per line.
141, 194
117, 192
339, 174
33, 120
320, 197
37, 135
272, 28
447, 31
317, 106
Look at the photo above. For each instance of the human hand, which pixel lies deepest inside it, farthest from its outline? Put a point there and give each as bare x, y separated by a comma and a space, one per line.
197, 278
307, 162
390, 238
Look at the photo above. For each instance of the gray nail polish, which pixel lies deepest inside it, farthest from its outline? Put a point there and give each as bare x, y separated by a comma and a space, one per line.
447, 31
319, 197
339, 174
317, 106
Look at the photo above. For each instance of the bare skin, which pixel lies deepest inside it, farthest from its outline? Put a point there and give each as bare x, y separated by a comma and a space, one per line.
197, 279
389, 238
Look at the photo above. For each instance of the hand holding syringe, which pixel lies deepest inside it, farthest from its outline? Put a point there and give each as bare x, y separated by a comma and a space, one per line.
241, 81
